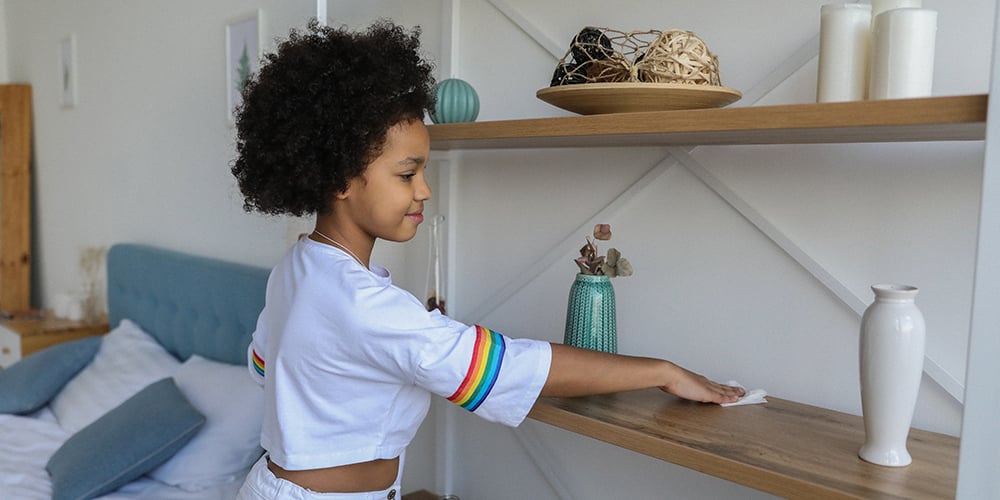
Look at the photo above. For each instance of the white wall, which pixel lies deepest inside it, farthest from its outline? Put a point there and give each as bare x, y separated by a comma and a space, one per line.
3, 42
145, 156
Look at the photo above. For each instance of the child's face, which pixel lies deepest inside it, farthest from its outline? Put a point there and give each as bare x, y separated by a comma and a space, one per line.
387, 200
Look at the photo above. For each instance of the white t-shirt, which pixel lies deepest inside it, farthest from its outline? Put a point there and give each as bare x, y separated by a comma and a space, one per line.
348, 363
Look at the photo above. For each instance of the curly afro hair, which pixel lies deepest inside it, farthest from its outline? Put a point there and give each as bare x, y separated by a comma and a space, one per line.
318, 111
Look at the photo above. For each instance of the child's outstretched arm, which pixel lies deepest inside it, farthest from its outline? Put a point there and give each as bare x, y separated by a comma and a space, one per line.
582, 372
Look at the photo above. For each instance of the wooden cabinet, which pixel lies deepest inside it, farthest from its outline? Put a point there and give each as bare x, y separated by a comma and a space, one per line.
783, 447
19, 338
15, 197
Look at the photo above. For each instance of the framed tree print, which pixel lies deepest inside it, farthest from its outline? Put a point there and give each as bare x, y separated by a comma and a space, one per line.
243, 53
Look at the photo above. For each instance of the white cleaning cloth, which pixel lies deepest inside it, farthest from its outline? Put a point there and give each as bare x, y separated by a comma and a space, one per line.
755, 396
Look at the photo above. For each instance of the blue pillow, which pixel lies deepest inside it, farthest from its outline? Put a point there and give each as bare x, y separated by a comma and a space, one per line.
125, 443
29, 384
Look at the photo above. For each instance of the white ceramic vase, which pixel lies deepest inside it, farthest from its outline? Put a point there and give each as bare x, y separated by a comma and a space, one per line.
892, 361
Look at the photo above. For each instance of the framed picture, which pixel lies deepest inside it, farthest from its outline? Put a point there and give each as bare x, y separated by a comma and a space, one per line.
67, 72
243, 53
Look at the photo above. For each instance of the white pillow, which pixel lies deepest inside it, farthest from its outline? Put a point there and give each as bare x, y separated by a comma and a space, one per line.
129, 360
229, 443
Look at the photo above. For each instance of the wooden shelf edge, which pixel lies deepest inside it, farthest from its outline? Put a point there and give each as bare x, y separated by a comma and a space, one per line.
947, 118
781, 447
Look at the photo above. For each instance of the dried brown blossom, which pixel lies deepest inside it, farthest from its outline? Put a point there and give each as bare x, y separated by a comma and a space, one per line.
612, 265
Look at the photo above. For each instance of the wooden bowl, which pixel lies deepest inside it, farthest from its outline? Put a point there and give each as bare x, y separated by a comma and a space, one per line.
629, 97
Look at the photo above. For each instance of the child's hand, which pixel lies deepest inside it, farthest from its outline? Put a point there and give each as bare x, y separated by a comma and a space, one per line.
690, 385
583, 372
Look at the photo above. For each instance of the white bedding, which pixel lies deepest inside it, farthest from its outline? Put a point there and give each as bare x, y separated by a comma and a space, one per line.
27, 442
195, 306
210, 466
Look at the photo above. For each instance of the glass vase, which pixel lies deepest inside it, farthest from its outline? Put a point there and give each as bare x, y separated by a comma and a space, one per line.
590, 314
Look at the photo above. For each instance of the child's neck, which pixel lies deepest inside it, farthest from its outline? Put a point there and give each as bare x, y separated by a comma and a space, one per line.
330, 233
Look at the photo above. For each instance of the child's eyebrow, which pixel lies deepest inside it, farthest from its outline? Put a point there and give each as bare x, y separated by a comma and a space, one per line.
412, 160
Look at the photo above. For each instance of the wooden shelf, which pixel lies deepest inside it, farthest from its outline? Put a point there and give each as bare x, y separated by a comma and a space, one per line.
951, 118
781, 447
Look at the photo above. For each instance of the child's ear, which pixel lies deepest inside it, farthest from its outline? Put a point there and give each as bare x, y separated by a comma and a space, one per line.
343, 195
346, 193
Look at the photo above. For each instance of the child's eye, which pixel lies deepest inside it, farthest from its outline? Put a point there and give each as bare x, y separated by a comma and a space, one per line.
407, 177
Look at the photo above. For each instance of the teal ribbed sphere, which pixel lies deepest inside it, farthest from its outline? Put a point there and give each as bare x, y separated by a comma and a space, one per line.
590, 314
457, 102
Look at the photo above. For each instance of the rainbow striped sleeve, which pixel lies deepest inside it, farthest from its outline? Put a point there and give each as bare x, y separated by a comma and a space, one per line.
258, 363
487, 356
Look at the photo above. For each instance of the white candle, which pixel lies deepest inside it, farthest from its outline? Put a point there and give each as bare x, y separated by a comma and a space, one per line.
903, 54
844, 50
880, 6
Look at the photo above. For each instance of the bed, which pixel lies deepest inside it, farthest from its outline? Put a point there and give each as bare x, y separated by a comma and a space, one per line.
162, 407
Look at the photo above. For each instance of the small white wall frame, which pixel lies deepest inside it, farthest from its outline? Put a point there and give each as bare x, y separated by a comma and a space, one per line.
67, 72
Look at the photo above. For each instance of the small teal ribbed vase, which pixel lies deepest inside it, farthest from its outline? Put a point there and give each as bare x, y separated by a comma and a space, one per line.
590, 315
457, 102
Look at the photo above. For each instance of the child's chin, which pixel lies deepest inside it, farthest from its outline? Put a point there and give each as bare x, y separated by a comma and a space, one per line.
401, 237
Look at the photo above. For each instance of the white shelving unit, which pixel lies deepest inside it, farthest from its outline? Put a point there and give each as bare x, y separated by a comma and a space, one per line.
967, 468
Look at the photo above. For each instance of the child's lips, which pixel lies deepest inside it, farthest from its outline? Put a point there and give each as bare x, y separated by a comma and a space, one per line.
417, 217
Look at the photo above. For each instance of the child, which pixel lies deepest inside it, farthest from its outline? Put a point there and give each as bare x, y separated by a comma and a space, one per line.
333, 126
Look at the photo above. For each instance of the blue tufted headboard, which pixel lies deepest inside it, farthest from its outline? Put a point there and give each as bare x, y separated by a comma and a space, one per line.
191, 304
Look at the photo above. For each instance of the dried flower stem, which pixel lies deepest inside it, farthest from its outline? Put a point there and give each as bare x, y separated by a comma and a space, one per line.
591, 263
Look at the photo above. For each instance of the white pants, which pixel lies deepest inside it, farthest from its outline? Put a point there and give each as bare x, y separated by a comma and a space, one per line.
262, 484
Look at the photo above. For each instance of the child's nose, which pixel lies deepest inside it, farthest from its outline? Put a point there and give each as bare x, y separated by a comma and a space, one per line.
423, 191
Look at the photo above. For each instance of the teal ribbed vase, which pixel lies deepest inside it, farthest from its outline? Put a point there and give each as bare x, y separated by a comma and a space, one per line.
590, 314
457, 102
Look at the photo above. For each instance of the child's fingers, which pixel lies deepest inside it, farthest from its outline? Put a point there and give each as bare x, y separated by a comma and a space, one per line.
728, 393
731, 389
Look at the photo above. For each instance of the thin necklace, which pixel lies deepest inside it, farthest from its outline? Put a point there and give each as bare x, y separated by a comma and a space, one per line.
340, 245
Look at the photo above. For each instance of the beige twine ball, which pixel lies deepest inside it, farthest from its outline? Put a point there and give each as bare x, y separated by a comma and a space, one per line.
671, 56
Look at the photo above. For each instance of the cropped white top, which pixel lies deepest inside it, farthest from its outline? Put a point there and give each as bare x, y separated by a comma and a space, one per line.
348, 362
